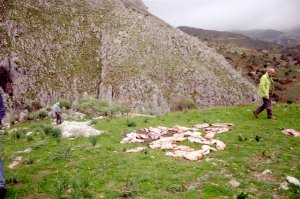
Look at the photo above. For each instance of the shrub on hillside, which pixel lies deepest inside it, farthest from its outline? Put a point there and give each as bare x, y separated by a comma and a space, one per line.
18, 134
65, 103
114, 110
96, 107
130, 123
35, 105
55, 132
182, 103
105, 111
121, 109
91, 106
13, 119
40, 114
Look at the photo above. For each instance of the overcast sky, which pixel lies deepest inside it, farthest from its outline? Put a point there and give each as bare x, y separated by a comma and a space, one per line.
228, 14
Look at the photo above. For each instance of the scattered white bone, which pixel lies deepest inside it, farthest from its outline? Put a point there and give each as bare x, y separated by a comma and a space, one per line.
194, 155
181, 128
291, 132
166, 142
135, 150
132, 138
194, 129
220, 145
179, 134
206, 147
183, 148
216, 130
177, 153
209, 135
201, 140
222, 124
142, 136
167, 145
200, 126
195, 134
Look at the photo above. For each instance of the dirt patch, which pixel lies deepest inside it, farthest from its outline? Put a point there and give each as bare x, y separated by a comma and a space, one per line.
264, 176
264, 157
15, 184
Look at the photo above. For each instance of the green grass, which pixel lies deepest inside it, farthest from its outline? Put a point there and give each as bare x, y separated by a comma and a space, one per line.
72, 168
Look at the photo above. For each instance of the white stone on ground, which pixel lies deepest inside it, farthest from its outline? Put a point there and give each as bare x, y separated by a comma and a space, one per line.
28, 150
284, 186
135, 150
17, 161
77, 129
293, 180
234, 183
267, 171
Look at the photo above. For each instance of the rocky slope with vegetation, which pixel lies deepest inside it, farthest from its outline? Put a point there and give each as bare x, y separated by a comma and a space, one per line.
113, 50
252, 57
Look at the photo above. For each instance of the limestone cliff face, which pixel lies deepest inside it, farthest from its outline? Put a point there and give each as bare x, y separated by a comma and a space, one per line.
112, 49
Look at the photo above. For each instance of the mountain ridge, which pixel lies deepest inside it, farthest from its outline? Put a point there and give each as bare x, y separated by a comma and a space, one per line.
226, 37
289, 38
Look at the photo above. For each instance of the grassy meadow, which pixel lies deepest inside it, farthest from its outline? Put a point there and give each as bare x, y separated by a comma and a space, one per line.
98, 167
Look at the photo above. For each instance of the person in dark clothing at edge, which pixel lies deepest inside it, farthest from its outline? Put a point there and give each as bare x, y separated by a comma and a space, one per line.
6, 84
2, 177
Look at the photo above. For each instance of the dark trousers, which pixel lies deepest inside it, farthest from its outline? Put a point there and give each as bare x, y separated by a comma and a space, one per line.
267, 104
58, 118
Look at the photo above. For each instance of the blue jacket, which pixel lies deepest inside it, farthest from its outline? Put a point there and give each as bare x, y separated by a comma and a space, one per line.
2, 108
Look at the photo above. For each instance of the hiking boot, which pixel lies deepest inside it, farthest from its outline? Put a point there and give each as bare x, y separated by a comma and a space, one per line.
255, 114
2, 192
272, 118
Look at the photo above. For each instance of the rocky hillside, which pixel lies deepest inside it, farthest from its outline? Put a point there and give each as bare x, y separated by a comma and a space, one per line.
114, 50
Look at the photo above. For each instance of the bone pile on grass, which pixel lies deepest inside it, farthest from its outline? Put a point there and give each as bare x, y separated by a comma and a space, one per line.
168, 138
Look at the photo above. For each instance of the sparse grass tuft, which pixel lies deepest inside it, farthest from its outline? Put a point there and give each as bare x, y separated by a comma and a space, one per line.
63, 152
51, 131
242, 196
29, 159
93, 140
130, 123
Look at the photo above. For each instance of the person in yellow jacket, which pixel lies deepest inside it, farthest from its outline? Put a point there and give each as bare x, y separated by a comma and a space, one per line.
265, 89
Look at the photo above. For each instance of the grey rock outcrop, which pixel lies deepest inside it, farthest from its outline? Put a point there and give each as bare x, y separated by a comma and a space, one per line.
115, 50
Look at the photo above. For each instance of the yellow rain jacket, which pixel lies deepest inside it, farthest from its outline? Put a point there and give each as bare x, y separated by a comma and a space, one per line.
266, 86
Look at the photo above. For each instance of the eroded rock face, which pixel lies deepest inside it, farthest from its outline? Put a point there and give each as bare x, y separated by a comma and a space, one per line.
115, 50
